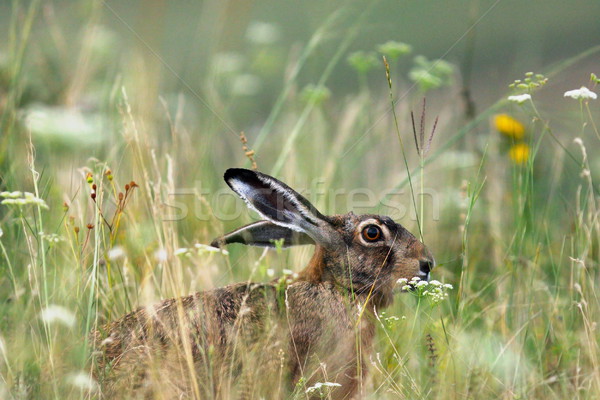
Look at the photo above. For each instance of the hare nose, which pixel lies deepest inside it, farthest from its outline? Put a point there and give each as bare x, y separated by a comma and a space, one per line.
426, 265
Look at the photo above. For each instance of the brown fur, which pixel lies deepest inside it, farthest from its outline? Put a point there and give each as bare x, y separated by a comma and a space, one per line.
244, 340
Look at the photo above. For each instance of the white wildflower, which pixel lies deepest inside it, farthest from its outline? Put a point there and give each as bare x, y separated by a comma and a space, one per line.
51, 237
65, 124
116, 253
520, 98
319, 385
55, 313
415, 279
402, 281
262, 32
227, 62
391, 321
161, 255
181, 250
30, 198
13, 202
434, 290
287, 272
246, 85
11, 195
270, 272
204, 248
582, 93
83, 381
14, 198
1, 232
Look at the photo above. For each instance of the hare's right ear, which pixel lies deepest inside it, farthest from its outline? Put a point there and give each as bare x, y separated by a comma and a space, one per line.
280, 204
265, 234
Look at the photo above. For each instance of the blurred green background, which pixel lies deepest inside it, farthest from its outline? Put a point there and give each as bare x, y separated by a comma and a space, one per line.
106, 92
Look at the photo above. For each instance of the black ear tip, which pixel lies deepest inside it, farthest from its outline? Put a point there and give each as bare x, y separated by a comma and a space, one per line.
237, 173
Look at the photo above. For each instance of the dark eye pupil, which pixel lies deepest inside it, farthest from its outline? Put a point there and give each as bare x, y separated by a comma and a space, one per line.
372, 232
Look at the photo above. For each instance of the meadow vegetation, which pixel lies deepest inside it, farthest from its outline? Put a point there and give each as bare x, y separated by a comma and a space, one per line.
112, 187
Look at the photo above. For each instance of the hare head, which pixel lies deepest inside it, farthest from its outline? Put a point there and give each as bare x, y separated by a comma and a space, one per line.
360, 253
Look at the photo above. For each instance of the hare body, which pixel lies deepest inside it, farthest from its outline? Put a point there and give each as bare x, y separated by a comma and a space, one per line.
241, 342
269, 340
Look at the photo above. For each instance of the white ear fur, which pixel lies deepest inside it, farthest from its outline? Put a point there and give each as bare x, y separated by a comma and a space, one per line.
276, 202
246, 192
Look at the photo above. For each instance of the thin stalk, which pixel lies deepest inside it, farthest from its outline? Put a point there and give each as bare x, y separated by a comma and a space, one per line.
39, 234
594, 127
92, 304
474, 195
393, 104
422, 179
10, 268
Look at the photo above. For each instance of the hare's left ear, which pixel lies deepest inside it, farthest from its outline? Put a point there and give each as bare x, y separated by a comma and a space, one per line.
280, 204
265, 234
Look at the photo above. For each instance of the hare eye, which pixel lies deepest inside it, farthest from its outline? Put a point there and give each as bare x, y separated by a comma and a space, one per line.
371, 233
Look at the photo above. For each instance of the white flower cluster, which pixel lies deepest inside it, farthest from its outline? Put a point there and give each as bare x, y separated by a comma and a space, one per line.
582, 93
436, 291
21, 199
116, 253
392, 320
289, 275
318, 387
201, 249
58, 314
51, 237
262, 32
520, 98
83, 381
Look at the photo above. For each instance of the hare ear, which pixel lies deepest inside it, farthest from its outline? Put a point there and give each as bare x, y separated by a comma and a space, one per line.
279, 203
263, 233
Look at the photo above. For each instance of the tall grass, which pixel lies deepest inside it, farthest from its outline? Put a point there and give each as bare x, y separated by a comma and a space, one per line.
519, 241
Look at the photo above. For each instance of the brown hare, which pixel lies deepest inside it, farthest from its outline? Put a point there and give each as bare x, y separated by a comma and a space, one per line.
269, 340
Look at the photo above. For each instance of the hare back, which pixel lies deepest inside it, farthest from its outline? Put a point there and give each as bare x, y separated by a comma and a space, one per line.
193, 345
243, 340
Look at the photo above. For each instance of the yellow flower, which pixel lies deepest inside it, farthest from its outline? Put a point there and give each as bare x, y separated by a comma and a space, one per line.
509, 126
519, 153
